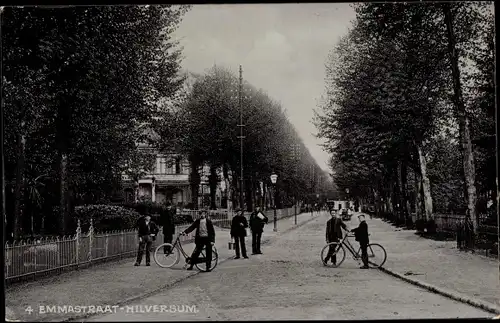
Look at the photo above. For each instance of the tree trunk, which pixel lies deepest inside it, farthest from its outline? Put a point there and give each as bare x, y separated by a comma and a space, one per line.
463, 122
212, 182
225, 174
404, 192
401, 202
19, 188
264, 196
254, 192
390, 209
426, 185
376, 199
63, 183
194, 179
235, 191
248, 195
396, 193
418, 196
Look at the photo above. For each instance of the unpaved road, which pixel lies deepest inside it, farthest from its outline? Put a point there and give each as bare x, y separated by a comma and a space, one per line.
290, 282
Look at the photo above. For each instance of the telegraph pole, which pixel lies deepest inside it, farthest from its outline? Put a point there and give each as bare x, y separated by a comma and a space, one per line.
241, 125
4, 213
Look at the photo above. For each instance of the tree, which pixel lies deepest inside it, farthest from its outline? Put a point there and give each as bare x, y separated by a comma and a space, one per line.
101, 69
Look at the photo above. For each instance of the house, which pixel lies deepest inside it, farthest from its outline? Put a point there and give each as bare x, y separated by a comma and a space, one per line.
169, 181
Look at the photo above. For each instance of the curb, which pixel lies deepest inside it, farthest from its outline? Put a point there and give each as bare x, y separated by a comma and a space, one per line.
177, 281
487, 306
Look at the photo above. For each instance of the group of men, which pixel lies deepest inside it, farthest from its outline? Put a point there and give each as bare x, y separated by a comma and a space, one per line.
334, 228
238, 231
205, 235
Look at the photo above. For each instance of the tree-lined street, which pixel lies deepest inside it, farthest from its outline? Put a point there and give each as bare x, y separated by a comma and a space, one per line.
121, 121
289, 282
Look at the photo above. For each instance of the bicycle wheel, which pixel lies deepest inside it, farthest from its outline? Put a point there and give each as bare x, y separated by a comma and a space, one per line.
376, 255
202, 266
166, 259
339, 253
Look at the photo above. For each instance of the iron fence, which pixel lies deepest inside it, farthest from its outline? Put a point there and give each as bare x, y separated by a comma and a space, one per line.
34, 258
45, 256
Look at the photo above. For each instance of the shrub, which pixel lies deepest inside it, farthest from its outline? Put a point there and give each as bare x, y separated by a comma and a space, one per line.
409, 223
431, 226
105, 217
155, 210
420, 225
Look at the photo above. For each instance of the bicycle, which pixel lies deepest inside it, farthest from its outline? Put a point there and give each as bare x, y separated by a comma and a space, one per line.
345, 244
171, 256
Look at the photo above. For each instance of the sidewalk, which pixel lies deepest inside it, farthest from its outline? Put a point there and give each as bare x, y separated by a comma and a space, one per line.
117, 282
437, 263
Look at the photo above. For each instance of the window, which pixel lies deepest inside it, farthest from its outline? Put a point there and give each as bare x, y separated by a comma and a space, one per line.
163, 165
178, 165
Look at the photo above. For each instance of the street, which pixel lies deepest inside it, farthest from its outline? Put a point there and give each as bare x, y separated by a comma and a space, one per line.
289, 282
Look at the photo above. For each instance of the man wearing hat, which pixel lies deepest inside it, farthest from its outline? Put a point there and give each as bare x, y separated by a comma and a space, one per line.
239, 232
205, 237
362, 236
147, 231
257, 222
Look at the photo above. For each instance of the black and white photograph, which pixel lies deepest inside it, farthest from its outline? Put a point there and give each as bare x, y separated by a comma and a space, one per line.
250, 161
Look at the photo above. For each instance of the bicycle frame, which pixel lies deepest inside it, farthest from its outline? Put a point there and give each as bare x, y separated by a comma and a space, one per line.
347, 244
177, 244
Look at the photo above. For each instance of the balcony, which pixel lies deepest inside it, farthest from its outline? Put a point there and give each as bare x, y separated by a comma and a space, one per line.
162, 179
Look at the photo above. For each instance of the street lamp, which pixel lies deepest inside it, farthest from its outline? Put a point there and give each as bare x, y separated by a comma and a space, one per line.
317, 199
274, 179
348, 203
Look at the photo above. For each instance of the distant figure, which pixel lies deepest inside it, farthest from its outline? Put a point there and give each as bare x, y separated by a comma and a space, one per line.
147, 231
205, 237
361, 234
239, 232
334, 228
167, 222
257, 222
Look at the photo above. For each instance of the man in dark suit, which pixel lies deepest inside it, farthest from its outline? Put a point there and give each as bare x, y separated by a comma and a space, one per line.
238, 233
257, 222
167, 222
205, 237
361, 235
147, 231
334, 228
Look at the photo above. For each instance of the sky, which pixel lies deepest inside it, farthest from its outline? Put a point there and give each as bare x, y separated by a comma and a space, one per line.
282, 48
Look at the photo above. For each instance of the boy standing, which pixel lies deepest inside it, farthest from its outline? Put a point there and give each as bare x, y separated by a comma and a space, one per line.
361, 234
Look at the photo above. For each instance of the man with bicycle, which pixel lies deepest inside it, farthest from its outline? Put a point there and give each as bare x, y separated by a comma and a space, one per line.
205, 237
334, 228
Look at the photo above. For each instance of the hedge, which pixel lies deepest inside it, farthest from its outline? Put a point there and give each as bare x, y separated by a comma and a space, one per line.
105, 217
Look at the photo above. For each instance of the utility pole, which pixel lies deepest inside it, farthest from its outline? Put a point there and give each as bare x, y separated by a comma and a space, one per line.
4, 214
241, 125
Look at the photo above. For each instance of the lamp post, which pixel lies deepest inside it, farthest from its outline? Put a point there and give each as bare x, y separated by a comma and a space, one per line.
348, 203
274, 179
295, 204
241, 136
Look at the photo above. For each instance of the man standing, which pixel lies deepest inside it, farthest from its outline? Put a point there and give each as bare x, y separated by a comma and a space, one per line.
334, 228
147, 230
238, 233
257, 222
205, 237
168, 225
361, 235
